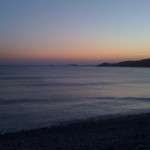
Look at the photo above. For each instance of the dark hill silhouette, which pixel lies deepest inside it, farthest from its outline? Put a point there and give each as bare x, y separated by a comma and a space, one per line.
138, 63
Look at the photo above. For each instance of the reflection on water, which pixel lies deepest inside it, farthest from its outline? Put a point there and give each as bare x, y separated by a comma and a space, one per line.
33, 97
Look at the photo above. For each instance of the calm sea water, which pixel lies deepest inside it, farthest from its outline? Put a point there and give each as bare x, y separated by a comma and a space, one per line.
33, 97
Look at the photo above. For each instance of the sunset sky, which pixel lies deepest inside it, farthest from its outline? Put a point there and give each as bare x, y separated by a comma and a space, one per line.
74, 31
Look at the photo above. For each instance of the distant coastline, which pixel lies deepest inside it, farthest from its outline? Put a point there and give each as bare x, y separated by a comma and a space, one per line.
130, 63
138, 63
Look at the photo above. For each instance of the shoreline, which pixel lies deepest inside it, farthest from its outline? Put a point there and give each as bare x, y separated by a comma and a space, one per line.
88, 120
122, 132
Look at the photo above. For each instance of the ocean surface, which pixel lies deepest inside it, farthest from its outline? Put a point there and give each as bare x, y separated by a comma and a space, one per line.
40, 96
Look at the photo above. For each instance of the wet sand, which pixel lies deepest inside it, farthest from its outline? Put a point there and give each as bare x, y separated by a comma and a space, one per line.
121, 133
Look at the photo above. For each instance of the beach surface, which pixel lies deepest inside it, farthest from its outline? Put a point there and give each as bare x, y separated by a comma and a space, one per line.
119, 133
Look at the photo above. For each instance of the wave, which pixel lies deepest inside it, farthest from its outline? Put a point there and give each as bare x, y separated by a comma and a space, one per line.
18, 101
123, 98
67, 100
18, 78
65, 84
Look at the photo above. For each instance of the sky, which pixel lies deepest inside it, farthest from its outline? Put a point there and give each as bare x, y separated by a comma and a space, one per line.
74, 31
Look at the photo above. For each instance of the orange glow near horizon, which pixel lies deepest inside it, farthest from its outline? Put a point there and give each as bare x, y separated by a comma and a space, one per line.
81, 52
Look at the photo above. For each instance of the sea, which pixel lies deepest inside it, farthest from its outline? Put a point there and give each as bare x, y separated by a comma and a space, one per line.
40, 96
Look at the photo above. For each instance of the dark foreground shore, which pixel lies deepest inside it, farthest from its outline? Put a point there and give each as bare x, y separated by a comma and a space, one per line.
122, 133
